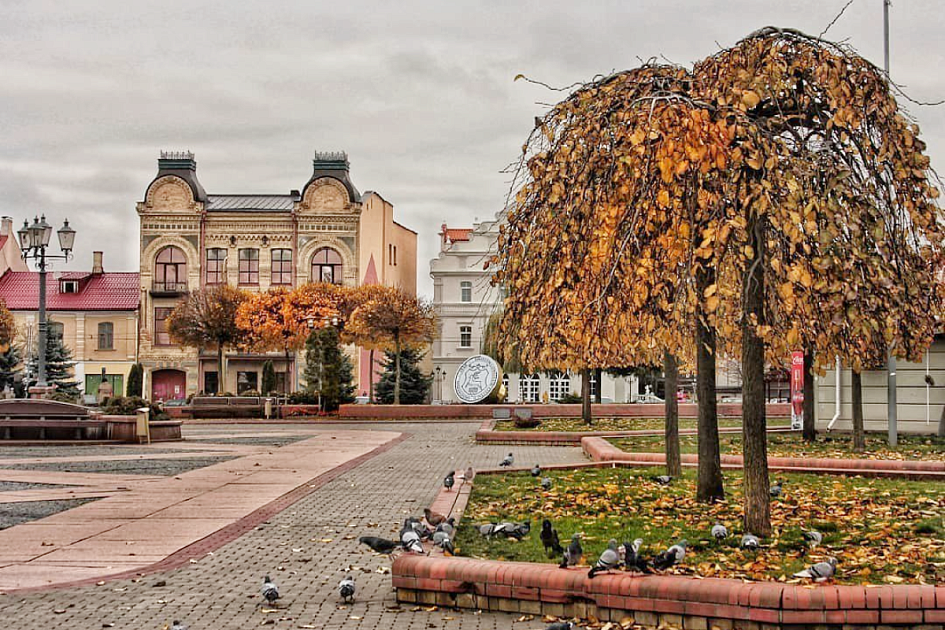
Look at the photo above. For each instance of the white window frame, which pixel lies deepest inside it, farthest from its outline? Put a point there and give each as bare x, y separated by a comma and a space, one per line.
465, 291
529, 388
560, 386
465, 342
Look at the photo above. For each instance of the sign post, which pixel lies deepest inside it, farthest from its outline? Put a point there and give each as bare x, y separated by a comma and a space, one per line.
797, 391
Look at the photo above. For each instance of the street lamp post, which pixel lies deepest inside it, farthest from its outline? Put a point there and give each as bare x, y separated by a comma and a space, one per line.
33, 242
439, 384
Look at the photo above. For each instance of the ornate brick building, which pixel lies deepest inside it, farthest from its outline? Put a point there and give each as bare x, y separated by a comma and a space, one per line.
326, 231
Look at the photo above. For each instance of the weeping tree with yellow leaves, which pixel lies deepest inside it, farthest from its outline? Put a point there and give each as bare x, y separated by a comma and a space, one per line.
772, 198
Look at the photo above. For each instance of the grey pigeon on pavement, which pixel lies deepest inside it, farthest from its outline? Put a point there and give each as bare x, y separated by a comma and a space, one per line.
176, 625
561, 625
750, 541
719, 531
673, 555
442, 540
410, 540
546, 483
632, 559
448, 526
449, 480
573, 554
469, 475
346, 589
609, 559
270, 591
536, 471
663, 480
813, 538
775, 490
549, 539
380, 545
820, 572
508, 461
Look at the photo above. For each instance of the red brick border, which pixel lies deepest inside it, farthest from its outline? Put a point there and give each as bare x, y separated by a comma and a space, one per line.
652, 600
599, 449
234, 530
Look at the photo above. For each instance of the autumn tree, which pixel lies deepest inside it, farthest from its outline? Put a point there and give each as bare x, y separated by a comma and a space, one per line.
397, 319
367, 338
206, 318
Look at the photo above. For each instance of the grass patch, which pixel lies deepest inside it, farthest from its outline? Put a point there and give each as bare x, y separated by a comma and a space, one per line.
921, 447
621, 424
881, 530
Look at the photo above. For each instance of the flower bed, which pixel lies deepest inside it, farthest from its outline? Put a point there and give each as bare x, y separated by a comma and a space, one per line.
619, 424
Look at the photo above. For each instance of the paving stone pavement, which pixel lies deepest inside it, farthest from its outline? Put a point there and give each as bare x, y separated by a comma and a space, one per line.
221, 590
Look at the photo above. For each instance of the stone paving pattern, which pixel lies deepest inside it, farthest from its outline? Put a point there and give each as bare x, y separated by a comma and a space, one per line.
221, 589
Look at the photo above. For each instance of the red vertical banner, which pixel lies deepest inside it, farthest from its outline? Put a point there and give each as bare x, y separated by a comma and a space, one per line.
797, 390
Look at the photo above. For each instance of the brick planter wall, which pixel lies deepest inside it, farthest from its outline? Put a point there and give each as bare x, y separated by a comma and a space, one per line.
601, 450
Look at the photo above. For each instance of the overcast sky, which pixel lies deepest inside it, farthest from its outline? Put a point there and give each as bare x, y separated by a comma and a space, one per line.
420, 94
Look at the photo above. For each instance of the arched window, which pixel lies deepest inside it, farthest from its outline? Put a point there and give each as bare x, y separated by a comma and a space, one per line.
528, 386
560, 386
216, 265
170, 270
327, 266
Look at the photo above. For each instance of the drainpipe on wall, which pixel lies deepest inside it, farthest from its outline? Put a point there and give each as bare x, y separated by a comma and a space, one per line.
836, 394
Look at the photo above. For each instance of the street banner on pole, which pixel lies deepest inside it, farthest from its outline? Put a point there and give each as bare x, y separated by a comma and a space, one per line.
797, 390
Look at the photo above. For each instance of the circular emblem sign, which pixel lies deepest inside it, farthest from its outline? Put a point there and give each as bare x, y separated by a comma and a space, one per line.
476, 378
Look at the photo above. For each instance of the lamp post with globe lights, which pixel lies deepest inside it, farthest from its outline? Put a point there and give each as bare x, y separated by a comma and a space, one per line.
34, 238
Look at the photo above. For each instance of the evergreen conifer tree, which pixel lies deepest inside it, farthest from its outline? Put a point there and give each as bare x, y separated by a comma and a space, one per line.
328, 369
10, 368
59, 366
268, 378
414, 384
135, 380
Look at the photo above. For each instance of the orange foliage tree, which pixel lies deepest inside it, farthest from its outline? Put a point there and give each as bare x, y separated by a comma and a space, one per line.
370, 339
394, 318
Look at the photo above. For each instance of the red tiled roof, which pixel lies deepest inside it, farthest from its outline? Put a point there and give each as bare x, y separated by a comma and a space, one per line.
457, 234
106, 292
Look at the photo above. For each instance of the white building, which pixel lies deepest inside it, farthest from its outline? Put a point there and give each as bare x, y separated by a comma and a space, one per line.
464, 299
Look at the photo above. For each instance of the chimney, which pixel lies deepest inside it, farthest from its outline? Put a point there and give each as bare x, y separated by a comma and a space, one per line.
6, 226
97, 268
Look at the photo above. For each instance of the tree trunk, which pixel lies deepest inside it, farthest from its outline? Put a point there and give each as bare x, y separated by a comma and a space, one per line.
598, 396
710, 486
288, 377
754, 435
671, 406
586, 396
859, 438
810, 430
370, 380
397, 371
221, 375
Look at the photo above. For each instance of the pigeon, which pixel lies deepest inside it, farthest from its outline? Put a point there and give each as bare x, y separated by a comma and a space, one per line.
750, 541
549, 539
517, 531
449, 480
433, 518
469, 475
573, 554
270, 591
488, 529
176, 625
410, 540
775, 490
561, 625
820, 572
609, 559
632, 558
719, 531
380, 545
536, 471
663, 480
813, 538
418, 527
442, 540
508, 461
673, 555
448, 526
346, 589
546, 483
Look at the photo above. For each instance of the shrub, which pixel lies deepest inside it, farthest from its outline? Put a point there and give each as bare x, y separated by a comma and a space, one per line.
569, 398
250, 393
303, 398
526, 423
129, 405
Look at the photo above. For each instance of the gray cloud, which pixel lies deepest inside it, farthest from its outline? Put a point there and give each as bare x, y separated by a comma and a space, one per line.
420, 94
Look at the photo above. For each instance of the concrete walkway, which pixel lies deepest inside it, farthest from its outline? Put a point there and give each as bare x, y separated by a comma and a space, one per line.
147, 518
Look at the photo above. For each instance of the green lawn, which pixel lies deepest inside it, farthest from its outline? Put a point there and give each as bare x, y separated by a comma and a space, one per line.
622, 424
791, 444
875, 527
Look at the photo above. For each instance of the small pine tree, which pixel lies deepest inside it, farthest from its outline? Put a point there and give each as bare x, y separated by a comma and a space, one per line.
135, 380
59, 366
414, 384
10, 368
268, 378
328, 369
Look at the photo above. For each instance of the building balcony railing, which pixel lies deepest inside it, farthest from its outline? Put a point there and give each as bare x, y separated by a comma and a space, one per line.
168, 288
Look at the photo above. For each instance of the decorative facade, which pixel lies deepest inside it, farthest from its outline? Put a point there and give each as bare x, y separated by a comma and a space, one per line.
191, 239
464, 299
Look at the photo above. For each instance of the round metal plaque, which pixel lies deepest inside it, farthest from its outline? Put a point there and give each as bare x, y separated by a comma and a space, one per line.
477, 378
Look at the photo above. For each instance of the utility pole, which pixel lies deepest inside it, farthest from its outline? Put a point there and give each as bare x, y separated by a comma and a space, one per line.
891, 399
